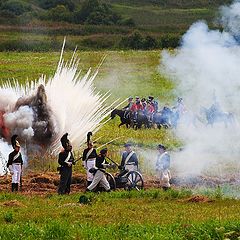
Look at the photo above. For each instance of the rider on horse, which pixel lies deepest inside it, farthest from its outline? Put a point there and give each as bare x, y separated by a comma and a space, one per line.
137, 106
128, 107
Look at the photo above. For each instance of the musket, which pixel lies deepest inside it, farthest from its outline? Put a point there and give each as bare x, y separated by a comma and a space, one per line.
113, 161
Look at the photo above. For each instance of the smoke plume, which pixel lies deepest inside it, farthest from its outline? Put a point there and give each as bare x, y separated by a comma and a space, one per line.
206, 71
42, 111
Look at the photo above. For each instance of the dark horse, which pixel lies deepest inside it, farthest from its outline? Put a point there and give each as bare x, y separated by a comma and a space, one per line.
141, 119
125, 117
165, 118
215, 116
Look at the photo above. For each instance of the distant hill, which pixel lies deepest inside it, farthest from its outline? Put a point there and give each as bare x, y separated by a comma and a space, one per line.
100, 24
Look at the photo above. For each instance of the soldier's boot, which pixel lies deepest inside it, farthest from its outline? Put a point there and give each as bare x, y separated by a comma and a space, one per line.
88, 183
13, 187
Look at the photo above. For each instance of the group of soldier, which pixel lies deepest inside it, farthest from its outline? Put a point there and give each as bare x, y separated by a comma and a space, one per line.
149, 106
94, 164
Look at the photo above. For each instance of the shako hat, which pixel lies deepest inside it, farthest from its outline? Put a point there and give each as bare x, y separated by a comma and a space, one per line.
65, 141
14, 141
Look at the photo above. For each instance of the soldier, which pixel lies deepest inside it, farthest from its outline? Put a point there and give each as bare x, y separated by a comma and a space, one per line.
66, 160
15, 163
89, 158
98, 171
162, 167
130, 103
129, 159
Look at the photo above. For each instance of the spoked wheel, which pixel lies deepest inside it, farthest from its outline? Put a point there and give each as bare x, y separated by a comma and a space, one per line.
111, 180
134, 181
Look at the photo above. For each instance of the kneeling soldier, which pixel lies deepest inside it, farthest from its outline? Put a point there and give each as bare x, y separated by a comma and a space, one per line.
15, 163
66, 160
99, 176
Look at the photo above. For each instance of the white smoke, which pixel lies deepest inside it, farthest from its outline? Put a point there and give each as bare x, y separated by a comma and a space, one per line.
206, 69
68, 101
20, 121
230, 18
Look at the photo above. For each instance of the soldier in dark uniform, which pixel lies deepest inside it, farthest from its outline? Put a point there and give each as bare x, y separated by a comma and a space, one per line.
89, 160
66, 160
15, 163
129, 158
99, 176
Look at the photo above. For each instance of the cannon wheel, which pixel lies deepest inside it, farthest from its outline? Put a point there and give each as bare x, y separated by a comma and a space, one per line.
135, 181
111, 180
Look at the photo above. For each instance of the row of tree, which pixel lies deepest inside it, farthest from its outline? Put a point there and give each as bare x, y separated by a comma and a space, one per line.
92, 12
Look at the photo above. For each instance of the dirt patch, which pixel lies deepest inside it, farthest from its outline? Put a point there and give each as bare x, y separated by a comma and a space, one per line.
198, 199
12, 203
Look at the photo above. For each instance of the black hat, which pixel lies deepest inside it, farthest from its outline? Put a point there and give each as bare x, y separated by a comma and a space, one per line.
103, 151
160, 146
127, 144
65, 141
150, 97
14, 141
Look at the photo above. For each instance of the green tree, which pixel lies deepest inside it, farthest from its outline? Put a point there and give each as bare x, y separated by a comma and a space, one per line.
96, 13
16, 7
60, 13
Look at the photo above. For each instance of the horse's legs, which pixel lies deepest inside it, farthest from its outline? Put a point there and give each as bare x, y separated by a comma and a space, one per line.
121, 124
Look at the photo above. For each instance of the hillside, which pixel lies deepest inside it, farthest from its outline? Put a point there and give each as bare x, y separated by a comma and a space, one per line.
93, 24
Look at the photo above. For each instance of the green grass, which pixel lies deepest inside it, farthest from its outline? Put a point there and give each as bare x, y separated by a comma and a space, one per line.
124, 73
151, 214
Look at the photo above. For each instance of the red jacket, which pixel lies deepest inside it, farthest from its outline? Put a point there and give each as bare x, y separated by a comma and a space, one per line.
136, 107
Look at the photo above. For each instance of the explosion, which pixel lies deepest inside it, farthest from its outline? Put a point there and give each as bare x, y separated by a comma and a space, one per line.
42, 111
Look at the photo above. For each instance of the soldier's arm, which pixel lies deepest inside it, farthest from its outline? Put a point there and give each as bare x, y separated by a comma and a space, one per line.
10, 159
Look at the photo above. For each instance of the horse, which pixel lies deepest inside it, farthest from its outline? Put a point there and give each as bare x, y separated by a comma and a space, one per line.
125, 117
141, 119
213, 117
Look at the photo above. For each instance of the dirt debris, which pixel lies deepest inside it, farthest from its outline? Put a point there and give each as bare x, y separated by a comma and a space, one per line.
12, 203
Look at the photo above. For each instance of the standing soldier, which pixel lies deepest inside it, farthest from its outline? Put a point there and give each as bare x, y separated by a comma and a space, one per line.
162, 167
15, 163
89, 158
99, 176
66, 160
129, 159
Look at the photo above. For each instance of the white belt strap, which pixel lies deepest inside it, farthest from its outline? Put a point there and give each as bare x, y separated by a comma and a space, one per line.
16, 156
129, 156
68, 157
88, 154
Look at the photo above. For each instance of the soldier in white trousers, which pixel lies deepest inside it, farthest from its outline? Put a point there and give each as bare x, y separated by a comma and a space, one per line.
162, 167
99, 176
89, 158
15, 163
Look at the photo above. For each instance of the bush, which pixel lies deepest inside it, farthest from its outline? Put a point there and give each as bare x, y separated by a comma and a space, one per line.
96, 13
8, 217
16, 7
150, 43
59, 13
133, 41
169, 41
48, 4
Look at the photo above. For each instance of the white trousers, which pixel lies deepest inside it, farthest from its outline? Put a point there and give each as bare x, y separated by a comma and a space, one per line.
90, 164
16, 170
99, 178
164, 177
131, 167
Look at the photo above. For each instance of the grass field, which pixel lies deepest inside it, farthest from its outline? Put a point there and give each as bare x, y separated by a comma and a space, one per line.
124, 73
149, 214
